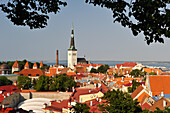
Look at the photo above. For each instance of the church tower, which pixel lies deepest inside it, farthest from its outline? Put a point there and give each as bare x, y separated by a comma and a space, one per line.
72, 52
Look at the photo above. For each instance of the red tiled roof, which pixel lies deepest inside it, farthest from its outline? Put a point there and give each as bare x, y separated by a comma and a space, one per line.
159, 84
15, 65
27, 64
159, 104
149, 70
110, 70
53, 71
57, 106
128, 64
71, 73
137, 91
31, 72
142, 95
145, 106
78, 92
118, 65
8, 89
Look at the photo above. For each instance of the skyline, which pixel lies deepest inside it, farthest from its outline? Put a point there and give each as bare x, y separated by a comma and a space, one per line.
96, 37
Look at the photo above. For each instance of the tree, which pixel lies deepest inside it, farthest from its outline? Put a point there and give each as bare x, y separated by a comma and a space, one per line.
93, 70
119, 102
135, 73
81, 108
134, 86
4, 81
32, 13
152, 73
103, 68
62, 83
24, 82
42, 83
134, 14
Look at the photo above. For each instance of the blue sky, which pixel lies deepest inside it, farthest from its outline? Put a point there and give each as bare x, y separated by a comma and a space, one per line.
96, 37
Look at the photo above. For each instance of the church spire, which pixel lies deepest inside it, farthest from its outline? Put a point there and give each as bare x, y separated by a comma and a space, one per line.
72, 45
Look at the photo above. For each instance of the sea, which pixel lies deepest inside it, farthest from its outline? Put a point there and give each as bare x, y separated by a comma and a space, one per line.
113, 63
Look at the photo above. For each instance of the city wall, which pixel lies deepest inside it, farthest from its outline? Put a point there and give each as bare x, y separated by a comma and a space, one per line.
49, 95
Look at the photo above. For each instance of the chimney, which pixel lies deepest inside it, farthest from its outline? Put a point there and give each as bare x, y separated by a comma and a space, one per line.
44, 105
50, 103
57, 57
91, 103
162, 93
73, 89
97, 99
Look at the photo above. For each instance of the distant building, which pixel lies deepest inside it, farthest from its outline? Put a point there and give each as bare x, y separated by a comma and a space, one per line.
4, 69
72, 52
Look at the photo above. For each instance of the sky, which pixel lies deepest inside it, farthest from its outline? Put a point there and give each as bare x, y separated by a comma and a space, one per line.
96, 37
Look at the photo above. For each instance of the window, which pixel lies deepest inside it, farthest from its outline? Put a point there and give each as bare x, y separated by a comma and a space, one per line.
29, 74
37, 74
74, 53
21, 74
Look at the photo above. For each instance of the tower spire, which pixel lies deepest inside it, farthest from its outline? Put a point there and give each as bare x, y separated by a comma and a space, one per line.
72, 45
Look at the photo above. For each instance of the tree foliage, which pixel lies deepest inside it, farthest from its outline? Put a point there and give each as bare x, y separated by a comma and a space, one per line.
152, 73
32, 13
24, 82
150, 17
134, 86
81, 108
42, 83
137, 73
5, 81
101, 69
93, 70
119, 102
59, 82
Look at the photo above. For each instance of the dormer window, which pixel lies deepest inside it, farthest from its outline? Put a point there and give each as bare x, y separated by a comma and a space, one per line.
37, 74
29, 74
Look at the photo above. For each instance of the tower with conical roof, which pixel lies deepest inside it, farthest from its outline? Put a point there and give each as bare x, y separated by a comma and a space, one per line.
72, 52
35, 66
15, 67
26, 65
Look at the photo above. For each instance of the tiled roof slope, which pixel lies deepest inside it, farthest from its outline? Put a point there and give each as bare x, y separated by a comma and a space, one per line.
137, 91
159, 84
32, 72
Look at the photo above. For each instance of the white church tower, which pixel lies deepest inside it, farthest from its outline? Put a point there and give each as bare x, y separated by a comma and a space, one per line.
72, 52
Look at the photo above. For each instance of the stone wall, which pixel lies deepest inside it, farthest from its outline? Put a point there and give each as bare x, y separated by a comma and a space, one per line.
49, 95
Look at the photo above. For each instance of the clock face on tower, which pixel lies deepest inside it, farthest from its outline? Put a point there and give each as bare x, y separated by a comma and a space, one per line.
74, 54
